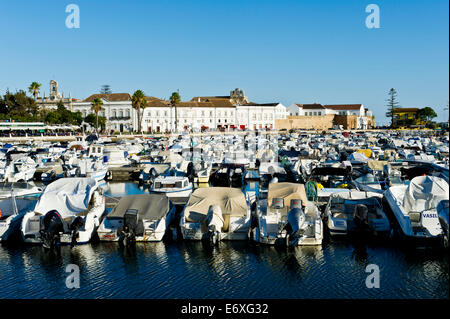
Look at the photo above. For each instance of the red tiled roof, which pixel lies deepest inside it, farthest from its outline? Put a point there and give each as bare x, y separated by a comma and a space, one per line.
314, 106
344, 107
113, 97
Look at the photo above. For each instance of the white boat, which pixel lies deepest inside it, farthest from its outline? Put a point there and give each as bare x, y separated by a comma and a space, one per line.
20, 189
68, 212
215, 214
115, 157
172, 186
287, 217
20, 170
414, 206
368, 183
143, 217
12, 210
356, 211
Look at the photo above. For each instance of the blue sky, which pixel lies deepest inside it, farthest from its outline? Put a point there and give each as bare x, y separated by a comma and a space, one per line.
285, 51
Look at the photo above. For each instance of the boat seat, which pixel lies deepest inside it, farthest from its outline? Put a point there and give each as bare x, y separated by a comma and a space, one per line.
340, 215
414, 217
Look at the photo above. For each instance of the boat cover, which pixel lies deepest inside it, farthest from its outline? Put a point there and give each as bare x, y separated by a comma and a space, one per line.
287, 191
377, 165
357, 157
68, 196
424, 193
230, 200
149, 206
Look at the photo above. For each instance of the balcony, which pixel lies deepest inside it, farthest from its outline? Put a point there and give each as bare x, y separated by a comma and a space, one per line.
119, 118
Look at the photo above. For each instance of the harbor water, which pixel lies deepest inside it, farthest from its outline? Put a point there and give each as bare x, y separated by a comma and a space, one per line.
178, 269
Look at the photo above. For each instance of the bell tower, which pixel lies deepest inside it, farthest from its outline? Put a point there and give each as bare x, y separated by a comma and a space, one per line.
54, 94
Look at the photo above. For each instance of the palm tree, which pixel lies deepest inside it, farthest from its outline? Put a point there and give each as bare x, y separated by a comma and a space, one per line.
174, 100
138, 101
34, 89
97, 107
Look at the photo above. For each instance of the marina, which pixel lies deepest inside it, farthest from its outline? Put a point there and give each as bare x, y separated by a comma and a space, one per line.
251, 215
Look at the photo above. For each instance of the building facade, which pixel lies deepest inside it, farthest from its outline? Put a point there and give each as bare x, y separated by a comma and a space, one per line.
350, 116
201, 112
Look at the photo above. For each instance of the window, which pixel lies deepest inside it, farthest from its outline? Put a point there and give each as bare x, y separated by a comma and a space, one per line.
315, 113
211, 113
157, 113
165, 113
128, 113
121, 113
114, 113
253, 116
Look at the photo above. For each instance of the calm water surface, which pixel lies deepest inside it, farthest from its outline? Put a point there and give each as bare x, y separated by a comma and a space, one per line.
231, 270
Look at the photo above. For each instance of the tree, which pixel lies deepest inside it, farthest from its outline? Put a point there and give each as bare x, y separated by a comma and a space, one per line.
106, 89
138, 102
34, 89
93, 120
427, 114
392, 103
97, 107
174, 100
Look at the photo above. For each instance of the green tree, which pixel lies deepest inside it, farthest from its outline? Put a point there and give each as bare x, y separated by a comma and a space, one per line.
34, 89
20, 107
94, 120
138, 102
427, 114
97, 107
174, 100
392, 103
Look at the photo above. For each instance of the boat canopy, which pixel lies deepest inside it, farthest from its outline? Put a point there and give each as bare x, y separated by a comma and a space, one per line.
287, 191
68, 196
230, 200
424, 193
377, 165
148, 206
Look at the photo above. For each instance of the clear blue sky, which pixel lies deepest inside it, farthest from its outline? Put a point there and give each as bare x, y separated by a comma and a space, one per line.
286, 51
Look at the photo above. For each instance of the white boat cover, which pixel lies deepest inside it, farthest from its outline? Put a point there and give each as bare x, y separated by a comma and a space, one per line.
68, 196
149, 206
230, 200
424, 193
358, 157
287, 191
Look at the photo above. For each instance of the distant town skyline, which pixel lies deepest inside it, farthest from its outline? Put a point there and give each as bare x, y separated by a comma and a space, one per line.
283, 51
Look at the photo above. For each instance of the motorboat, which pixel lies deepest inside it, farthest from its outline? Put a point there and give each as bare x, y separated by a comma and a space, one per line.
19, 188
415, 206
142, 217
172, 186
356, 211
20, 170
287, 217
12, 210
68, 212
368, 183
214, 214
115, 157
325, 181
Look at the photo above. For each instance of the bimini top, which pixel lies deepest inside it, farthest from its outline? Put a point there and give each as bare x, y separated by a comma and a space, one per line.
149, 206
230, 200
68, 196
424, 193
287, 191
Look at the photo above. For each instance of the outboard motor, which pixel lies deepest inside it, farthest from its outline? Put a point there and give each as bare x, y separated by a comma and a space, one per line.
127, 234
51, 226
295, 225
214, 222
361, 218
190, 171
230, 173
76, 224
152, 174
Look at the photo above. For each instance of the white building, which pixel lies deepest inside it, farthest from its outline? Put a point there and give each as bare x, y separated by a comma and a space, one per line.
117, 110
213, 112
317, 109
